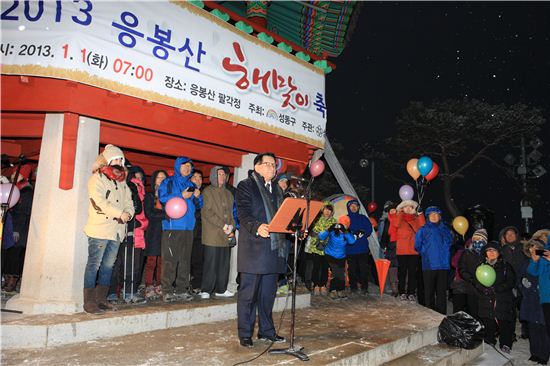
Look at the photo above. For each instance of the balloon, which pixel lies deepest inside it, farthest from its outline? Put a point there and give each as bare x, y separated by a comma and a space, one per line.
424, 165
371, 207
486, 275
317, 168
406, 192
412, 169
176, 207
5, 194
433, 173
460, 224
382, 267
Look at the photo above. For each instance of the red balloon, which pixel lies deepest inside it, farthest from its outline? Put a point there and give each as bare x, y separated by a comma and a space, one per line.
317, 168
371, 207
176, 208
433, 173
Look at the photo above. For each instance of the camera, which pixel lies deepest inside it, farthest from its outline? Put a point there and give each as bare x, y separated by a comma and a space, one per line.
539, 252
191, 189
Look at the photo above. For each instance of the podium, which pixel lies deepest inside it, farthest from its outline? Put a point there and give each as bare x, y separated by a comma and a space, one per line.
294, 217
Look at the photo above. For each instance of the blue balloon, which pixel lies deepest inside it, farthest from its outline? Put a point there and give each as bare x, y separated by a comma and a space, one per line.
425, 165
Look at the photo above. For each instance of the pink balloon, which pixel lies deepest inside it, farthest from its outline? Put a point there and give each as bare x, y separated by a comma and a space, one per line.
176, 207
317, 168
5, 193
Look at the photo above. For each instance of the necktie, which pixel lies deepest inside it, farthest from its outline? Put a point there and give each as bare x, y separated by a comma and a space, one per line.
268, 186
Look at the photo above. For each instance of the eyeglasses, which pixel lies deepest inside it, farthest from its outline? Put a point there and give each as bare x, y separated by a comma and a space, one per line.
268, 164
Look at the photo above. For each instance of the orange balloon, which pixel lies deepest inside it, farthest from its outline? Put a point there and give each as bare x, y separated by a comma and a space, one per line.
412, 169
460, 224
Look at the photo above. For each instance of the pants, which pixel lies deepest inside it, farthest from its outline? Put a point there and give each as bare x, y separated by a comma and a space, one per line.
133, 278
153, 270
176, 246
101, 259
256, 297
319, 274
12, 261
358, 270
465, 302
393, 279
197, 259
435, 290
407, 272
215, 270
546, 311
539, 342
338, 268
505, 331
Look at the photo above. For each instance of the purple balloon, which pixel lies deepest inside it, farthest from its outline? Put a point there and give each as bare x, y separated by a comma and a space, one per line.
5, 194
406, 192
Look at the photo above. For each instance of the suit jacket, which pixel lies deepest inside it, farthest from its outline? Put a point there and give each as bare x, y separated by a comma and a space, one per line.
254, 252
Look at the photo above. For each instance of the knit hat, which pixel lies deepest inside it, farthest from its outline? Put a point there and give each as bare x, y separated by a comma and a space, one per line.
344, 220
283, 177
481, 233
491, 245
433, 209
405, 203
111, 152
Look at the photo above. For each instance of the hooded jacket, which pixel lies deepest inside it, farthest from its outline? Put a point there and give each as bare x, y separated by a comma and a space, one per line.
155, 215
337, 243
513, 253
319, 226
433, 243
406, 226
358, 223
140, 220
217, 211
174, 186
541, 269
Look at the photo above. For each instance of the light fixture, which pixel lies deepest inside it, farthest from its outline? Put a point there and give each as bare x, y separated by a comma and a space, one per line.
536, 143
538, 171
363, 163
534, 157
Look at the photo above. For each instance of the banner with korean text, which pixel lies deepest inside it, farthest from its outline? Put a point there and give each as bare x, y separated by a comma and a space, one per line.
167, 52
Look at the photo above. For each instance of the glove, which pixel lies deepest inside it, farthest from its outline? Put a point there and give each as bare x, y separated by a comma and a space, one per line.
360, 233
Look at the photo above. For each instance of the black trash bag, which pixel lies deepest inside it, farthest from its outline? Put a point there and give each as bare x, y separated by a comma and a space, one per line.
460, 330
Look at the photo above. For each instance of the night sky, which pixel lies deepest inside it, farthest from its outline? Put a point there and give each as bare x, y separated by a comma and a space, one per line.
498, 52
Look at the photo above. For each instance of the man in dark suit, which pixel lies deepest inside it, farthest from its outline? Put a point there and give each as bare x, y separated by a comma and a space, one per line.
261, 254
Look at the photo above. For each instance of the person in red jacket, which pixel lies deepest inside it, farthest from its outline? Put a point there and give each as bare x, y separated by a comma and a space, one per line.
406, 223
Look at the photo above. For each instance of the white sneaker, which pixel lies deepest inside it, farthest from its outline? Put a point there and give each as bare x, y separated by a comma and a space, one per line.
204, 295
227, 293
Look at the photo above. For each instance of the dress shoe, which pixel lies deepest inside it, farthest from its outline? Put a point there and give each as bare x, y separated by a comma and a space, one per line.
246, 342
274, 338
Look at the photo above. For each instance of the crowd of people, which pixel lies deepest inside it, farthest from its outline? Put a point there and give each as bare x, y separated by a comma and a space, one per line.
138, 253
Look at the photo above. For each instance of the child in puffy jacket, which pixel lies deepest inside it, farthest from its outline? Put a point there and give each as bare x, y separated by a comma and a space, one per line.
433, 243
335, 252
539, 266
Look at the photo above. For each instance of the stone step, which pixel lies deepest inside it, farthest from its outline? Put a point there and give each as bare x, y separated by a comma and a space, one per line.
40, 331
491, 357
438, 355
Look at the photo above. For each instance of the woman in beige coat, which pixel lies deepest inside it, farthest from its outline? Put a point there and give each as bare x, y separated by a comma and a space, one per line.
110, 208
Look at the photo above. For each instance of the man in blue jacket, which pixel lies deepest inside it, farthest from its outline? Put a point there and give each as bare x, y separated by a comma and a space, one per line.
358, 253
433, 242
261, 254
177, 234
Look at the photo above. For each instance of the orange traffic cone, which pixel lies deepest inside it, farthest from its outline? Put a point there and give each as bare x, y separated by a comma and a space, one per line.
382, 267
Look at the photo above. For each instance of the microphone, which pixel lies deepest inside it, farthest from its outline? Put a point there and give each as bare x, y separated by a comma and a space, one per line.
299, 178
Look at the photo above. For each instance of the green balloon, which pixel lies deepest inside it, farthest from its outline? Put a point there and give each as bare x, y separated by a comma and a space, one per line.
486, 275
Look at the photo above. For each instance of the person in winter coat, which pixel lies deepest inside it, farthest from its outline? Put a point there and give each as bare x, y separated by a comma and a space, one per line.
155, 214
468, 262
406, 224
111, 207
433, 242
315, 250
531, 311
197, 253
357, 255
218, 226
496, 302
127, 269
177, 234
261, 254
539, 266
387, 236
338, 237
20, 219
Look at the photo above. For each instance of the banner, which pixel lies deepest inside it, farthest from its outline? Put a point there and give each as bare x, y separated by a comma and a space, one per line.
167, 52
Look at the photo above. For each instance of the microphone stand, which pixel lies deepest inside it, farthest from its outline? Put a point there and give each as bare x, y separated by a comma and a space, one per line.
296, 226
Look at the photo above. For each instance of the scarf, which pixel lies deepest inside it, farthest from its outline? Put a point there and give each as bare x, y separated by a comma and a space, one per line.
277, 239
